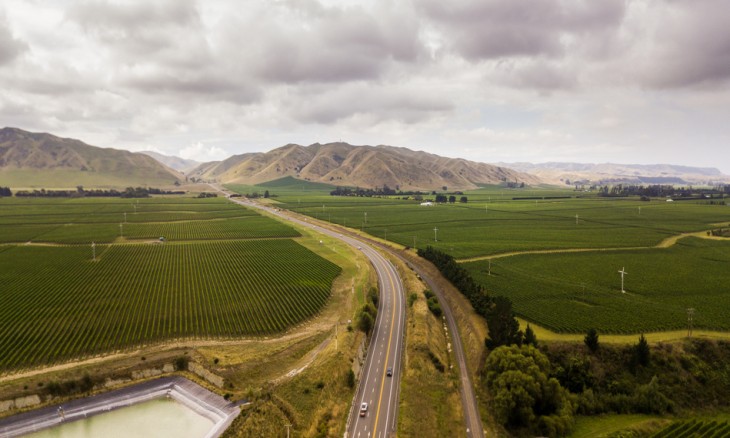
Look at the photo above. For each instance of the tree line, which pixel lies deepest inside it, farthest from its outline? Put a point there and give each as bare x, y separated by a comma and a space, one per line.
5, 191
80, 192
661, 191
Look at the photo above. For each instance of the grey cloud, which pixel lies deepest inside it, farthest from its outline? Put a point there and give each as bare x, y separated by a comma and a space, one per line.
10, 47
331, 45
538, 75
376, 104
202, 84
493, 29
691, 45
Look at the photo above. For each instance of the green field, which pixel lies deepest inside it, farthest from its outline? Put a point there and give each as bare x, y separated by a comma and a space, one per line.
223, 271
492, 223
59, 304
572, 292
86, 220
565, 292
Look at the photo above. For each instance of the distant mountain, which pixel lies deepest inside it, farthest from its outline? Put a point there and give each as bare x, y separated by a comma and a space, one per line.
177, 163
32, 160
363, 166
610, 173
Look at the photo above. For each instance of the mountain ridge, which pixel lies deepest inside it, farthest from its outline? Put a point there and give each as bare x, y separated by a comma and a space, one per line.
364, 166
32, 159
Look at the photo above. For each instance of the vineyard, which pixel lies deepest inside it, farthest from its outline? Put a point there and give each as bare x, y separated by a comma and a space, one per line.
573, 292
58, 304
491, 222
82, 221
695, 429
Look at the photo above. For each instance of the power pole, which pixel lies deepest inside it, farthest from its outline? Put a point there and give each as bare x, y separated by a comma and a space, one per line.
622, 272
93, 251
576, 219
489, 272
690, 317
121, 230
435, 234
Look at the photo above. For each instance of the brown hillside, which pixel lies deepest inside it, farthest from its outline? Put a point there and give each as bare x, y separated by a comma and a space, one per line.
30, 159
363, 166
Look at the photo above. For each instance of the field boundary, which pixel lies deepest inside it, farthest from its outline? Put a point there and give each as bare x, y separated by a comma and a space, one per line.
665, 243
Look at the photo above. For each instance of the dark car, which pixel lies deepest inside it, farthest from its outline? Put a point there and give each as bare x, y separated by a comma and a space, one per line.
389, 372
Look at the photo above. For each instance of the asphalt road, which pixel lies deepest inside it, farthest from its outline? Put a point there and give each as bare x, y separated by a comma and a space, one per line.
378, 390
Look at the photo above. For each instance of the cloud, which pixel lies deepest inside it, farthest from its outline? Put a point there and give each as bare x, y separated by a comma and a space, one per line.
691, 45
10, 47
494, 29
200, 152
372, 104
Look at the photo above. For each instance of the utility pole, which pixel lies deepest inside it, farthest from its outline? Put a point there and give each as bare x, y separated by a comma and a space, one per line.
366, 217
435, 234
93, 251
576, 219
690, 317
623, 272
489, 271
121, 230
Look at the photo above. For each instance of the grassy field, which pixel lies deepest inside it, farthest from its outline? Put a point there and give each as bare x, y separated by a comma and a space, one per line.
59, 304
208, 280
81, 221
572, 292
492, 223
561, 291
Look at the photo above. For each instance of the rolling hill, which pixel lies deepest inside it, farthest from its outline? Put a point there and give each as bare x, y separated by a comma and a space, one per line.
177, 163
35, 160
343, 164
611, 173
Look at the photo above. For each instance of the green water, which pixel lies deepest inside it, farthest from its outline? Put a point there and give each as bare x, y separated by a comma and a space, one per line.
154, 418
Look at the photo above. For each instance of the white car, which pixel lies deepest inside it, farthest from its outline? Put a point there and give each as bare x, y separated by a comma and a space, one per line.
363, 409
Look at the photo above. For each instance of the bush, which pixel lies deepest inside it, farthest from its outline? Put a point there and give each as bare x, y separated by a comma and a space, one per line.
181, 363
350, 378
591, 340
434, 307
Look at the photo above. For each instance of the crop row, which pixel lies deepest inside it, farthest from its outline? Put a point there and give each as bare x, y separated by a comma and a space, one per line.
572, 292
59, 304
695, 429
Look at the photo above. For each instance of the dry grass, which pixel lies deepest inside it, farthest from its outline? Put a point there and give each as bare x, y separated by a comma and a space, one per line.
430, 402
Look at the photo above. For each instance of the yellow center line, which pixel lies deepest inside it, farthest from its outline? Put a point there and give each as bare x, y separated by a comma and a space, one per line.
387, 354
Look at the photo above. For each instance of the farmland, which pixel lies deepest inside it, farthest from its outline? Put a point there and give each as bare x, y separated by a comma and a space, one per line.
492, 223
567, 292
212, 278
572, 292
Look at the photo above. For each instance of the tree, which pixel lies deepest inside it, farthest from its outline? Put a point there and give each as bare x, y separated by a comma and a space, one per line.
463, 200
642, 354
503, 327
365, 322
591, 340
452, 199
266, 194
530, 337
444, 188
524, 396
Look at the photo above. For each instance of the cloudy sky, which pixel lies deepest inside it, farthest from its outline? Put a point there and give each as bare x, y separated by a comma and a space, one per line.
636, 81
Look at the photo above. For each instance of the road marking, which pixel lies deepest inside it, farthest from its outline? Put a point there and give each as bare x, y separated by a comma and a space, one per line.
390, 338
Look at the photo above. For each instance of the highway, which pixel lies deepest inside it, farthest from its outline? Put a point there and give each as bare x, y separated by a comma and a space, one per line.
375, 388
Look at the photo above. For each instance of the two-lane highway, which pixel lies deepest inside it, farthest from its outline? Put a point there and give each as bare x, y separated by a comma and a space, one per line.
378, 389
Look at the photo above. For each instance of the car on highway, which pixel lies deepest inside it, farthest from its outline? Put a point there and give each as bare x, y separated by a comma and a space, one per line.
389, 372
363, 409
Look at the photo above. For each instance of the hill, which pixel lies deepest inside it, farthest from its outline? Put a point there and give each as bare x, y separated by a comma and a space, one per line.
177, 163
343, 164
35, 160
611, 173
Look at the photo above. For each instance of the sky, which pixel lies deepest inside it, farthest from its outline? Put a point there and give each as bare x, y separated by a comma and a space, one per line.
635, 81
